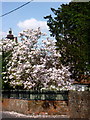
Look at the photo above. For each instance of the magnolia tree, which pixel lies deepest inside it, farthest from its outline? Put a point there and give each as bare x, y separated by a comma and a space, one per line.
35, 67
6, 48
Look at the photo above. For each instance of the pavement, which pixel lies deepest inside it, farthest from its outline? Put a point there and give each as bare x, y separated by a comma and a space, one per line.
6, 115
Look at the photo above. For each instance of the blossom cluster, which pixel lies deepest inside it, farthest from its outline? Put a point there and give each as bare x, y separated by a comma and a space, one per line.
36, 67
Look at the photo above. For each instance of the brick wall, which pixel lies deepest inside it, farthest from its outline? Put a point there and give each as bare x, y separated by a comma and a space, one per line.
79, 104
16, 105
35, 106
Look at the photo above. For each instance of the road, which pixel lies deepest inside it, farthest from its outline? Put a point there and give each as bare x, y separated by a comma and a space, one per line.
17, 116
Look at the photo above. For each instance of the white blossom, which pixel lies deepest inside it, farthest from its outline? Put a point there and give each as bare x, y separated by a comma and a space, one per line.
36, 67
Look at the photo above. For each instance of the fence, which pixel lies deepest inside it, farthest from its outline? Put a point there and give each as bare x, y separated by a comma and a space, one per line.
36, 95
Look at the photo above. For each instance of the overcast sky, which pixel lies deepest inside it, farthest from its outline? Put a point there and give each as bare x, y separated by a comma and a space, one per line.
29, 16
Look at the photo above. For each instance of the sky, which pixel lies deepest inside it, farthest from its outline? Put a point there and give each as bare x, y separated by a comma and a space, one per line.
30, 16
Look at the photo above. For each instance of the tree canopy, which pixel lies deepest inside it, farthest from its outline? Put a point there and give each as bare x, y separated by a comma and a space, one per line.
70, 26
31, 66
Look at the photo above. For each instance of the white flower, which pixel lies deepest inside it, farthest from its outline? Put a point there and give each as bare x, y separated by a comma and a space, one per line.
31, 63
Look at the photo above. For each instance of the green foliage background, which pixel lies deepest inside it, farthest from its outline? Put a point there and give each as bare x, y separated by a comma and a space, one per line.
70, 27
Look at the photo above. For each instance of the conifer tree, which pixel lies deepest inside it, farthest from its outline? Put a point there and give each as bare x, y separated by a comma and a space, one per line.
70, 26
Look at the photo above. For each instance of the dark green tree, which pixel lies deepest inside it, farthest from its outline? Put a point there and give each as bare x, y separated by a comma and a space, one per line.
70, 26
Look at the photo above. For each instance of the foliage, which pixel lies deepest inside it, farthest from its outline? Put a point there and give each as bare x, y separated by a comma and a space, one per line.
70, 26
35, 67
